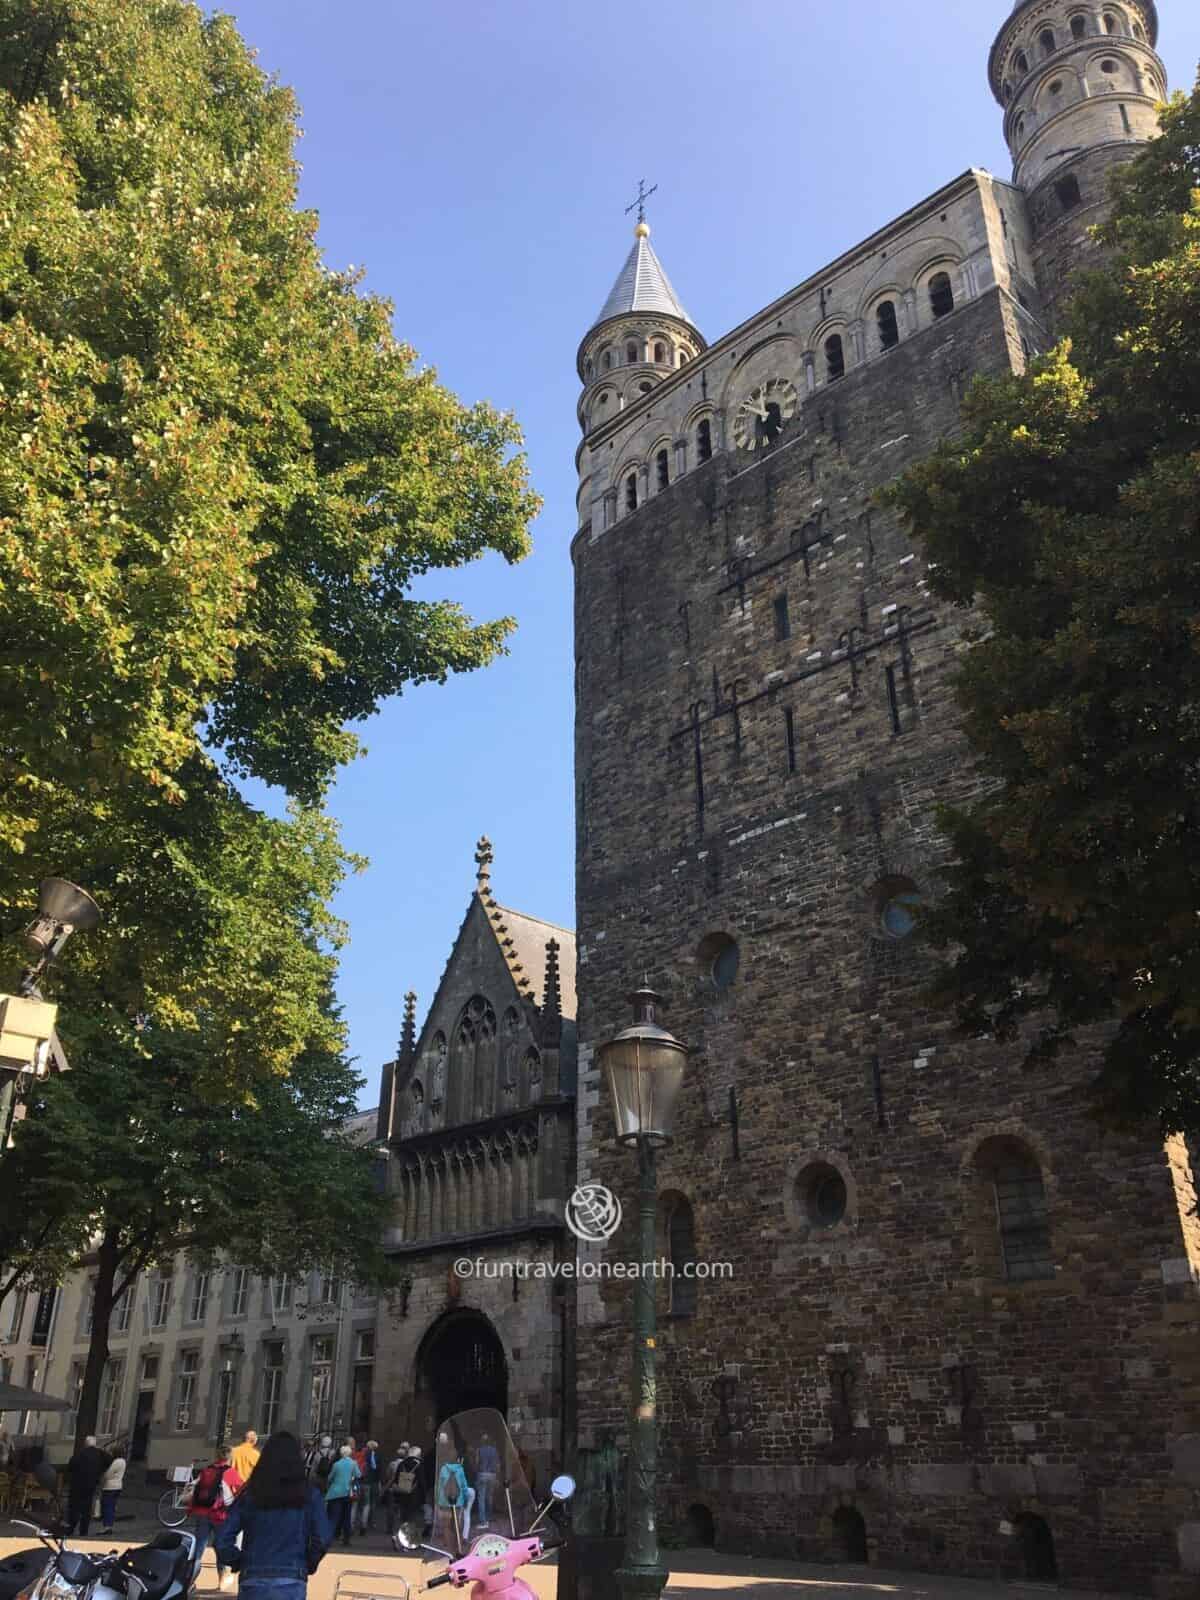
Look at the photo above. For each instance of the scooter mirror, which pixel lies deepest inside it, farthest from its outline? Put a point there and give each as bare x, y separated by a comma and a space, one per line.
563, 1487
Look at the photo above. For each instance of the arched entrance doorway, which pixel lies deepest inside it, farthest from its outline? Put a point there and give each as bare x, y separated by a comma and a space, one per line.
460, 1365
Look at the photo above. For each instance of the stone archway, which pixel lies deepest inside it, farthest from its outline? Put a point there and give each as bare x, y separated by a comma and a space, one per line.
460, 1364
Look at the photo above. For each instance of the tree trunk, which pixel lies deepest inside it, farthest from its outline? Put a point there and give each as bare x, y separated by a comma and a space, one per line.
107, 1261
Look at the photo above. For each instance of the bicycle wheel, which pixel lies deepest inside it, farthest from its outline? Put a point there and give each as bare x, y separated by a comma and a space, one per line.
170, 1513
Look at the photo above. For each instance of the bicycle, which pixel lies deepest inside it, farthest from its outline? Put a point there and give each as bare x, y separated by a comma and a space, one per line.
174, 1505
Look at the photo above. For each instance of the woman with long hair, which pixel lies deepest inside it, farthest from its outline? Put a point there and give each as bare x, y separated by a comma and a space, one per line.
281, 1518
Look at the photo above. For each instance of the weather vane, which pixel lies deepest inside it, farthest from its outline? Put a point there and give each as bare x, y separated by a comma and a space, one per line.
643, 195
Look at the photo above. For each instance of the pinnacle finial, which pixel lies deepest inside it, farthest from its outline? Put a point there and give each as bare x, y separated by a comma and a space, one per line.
642, 230
408, 1031
551, 993
483, 862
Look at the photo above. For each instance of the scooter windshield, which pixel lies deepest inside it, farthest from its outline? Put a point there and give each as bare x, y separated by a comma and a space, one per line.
479, 1484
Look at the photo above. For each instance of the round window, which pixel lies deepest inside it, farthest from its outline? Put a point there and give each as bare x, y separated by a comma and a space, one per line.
824, 1195
896, 918
1108, 66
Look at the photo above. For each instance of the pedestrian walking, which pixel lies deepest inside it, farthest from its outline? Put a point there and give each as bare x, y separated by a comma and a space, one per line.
245, 1456
487, 1470
280, 1518
453, 1514
368, 1487
84, 1471
211, 1496
408, 1499
340, 1494
319, 1460
111, 1483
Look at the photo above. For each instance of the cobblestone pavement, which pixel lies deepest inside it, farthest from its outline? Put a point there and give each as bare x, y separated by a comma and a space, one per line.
369, 1570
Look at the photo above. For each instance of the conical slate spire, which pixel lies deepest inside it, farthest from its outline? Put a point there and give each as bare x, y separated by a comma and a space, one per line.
642, 285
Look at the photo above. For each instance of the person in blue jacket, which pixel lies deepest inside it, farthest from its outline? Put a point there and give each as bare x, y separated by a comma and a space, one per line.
281, 1518
340, 1491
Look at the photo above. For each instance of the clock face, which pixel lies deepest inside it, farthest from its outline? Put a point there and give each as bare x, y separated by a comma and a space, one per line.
759, 419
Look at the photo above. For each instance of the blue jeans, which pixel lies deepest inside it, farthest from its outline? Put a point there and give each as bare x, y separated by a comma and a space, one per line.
339, 1512
272, 1588
108, 1507
203, 1529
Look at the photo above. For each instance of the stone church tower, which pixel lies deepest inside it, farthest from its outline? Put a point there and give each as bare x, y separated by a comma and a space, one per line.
962, 1327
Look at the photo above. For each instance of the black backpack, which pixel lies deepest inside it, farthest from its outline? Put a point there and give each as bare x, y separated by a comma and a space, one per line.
207, 1492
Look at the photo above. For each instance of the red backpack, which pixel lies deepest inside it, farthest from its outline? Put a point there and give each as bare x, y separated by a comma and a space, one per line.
207, 1492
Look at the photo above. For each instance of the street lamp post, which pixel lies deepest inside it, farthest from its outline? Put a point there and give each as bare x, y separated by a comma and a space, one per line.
644, 1067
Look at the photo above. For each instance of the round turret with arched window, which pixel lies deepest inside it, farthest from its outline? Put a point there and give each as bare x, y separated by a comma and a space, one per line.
641, 336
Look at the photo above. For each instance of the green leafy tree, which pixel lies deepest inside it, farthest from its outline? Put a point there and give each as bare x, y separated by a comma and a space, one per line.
124, 1165
1068, 515
220, 474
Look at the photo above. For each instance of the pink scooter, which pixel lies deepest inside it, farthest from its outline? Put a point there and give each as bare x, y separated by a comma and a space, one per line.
478, 1470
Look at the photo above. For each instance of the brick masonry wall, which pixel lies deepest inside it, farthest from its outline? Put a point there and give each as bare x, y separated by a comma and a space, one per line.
885, 1363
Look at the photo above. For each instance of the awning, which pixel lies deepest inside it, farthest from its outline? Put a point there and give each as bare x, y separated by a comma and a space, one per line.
14, 1398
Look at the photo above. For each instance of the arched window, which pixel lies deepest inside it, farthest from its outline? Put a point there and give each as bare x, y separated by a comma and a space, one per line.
589, 369
1019, 1194
631, 352
683, 355
660, 353
1020, 129
704, 441
835, 358
1022, 61
1139, 32
1110, 23
473, 1068
1046, 40
1006, 92
1078, 27
941, 294
662, 466
681, 1252
1067, 190
606, 360
889, 328
631, 491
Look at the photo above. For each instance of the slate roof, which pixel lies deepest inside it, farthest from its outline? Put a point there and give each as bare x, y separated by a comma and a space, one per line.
529, 936
642, 285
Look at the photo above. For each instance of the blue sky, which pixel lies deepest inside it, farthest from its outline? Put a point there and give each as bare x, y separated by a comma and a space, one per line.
476, 158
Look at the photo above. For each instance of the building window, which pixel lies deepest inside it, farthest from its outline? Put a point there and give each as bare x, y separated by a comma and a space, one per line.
1110, 24
889, 328
1077, 27
783, 626
660, 353
185, 1389
704, 441
1056, 86
789, 733
240, 1292
896, 900
1020, 128
1018, 1195
160, 1302
15, 1308
123, 1310
320, 1383
89, 1316
110, 1397
1125, 123
331, 1290
835, 358
198, 1305
1108, 66
683, 355
1006, 93
645, 388
631, 352
662, 466
1067, 190
589, 370
281, 1295
272, 1387
941, 294
631, 492
1139, 32
681, 1252
821, 1194
149, 1372
719, 956
606, 360
1022, 61
75, 1393
364, 1345
1046, 40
